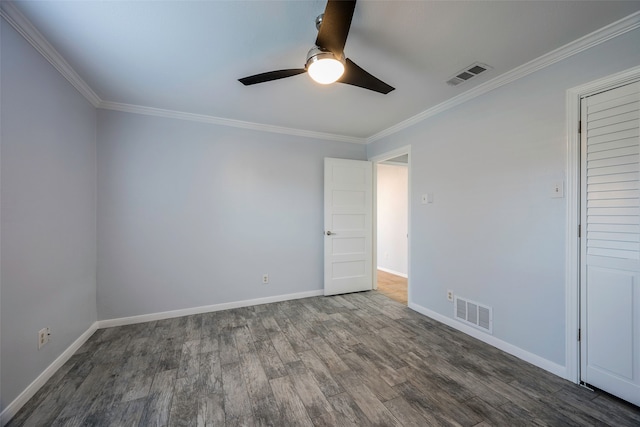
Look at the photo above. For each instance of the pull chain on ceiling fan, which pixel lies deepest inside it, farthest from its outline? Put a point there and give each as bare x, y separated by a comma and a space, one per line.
326, 63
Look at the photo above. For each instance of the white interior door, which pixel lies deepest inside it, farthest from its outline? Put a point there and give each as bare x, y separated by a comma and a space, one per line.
610, 250
348, 214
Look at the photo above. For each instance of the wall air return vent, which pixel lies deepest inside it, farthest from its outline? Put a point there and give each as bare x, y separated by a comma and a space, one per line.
473, 314
468, 73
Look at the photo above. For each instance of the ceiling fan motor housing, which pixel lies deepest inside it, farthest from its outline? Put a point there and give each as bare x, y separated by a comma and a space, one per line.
317, 53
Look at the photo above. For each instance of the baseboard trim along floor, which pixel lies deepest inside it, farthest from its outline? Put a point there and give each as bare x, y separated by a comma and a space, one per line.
122, 321
12, 409
353, 359
513, 350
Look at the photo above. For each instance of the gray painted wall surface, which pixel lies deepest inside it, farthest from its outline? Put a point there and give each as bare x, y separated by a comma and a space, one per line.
392, 217
48, 216
192, 214
494, 234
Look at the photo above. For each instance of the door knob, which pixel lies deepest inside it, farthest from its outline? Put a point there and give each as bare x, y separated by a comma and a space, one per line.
329, 233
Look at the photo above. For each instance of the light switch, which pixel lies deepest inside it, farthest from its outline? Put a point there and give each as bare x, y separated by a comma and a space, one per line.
557, 191
427, 198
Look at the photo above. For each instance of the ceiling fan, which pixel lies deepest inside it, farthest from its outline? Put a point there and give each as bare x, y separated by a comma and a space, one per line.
325, 61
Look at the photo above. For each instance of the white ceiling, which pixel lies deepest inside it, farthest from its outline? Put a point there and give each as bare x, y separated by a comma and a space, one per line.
187, 55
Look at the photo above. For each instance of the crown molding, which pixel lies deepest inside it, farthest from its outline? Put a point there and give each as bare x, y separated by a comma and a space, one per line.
18, 21
595, 38
202, 118
22, 25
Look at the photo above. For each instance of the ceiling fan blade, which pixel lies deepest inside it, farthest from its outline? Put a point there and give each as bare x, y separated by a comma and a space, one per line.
271, 75
335, 25
356, 76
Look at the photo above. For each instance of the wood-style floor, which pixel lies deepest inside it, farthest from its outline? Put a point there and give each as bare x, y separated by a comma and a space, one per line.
395, 287
352, 360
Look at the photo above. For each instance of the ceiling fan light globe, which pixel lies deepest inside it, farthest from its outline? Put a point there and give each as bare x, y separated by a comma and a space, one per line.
326, 71
323, 67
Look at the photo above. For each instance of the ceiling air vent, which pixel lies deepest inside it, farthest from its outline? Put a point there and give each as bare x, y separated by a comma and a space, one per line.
468, 73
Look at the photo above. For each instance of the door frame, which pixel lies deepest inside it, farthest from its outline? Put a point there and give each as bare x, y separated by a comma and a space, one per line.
573, 187
388, 155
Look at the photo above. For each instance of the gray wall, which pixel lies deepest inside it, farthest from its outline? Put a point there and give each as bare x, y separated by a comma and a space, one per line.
392, 217
493, 233
192, 214
48, 213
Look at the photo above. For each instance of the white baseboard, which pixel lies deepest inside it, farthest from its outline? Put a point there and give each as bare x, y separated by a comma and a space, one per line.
397, 273
12, 409
534, 359
122, 321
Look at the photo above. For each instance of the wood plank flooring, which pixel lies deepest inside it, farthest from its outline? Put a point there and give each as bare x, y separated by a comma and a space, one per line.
393, 286
352, 360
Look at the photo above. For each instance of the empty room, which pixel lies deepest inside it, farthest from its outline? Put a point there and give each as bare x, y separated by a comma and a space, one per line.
319, 213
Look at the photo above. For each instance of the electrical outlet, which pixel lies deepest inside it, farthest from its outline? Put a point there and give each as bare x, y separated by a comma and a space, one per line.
450, 295
43, 337
265, 278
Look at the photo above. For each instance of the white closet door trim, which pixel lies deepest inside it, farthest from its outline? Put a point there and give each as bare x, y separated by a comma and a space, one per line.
572, 250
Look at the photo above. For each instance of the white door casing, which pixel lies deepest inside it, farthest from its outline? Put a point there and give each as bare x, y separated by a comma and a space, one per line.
610, 247
401, 151
348, 226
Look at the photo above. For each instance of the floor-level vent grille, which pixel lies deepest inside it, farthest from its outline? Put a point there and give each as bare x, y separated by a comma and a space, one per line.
468, 73
474, 314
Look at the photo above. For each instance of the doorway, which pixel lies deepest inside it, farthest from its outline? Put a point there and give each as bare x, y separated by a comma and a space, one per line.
391, 243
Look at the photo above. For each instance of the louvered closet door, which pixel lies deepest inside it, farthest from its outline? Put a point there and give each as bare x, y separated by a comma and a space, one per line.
610, 272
